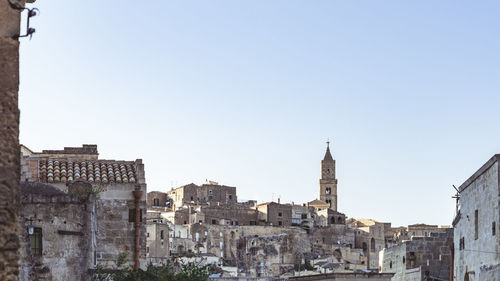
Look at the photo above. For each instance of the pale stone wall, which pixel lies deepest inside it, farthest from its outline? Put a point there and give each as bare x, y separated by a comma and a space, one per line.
157, 245
481, 193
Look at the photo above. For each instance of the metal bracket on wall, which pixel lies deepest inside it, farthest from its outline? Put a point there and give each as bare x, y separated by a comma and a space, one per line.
16, 5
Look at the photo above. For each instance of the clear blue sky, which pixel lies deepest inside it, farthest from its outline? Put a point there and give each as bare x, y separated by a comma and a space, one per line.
247, 92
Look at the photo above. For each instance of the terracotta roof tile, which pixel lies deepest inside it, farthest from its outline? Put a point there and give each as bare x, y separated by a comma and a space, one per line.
99, 171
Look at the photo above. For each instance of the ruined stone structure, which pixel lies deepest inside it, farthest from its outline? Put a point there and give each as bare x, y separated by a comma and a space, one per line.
110, 222
9, 140
328, 181
421, 258
476, 237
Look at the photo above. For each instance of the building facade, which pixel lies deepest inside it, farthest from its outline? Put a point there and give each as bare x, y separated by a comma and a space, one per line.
476, 237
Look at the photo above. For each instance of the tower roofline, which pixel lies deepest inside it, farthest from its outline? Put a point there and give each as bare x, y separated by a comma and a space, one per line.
328, 155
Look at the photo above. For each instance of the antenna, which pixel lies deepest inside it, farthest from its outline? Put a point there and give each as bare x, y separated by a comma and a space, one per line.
457, 197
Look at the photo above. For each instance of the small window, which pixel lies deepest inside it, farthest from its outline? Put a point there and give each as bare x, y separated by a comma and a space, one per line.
303, 216
253, 222
493, 228
390, 264
214, 222
280, 214
210, 197
147, 234
156, 202
404, 260
36, 241
185, 222
323, 239
131, 215
280, 223
192, 199
162, 235
230, 197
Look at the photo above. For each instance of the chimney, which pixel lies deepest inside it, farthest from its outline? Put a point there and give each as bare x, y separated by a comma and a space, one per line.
278, 200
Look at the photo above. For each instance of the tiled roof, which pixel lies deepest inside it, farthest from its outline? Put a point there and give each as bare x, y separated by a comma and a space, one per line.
99, 171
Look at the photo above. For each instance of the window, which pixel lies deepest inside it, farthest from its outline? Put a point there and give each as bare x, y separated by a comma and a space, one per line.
162, 234
303, 216
476, 224
253, 222
323, 239
280, 214
156, 202
493, 228
131, 215
230, 197
147, 234
328, 190
210, 197
36, 241
214, 222
462, 244
280, 223
404, 260
390, 264
192, 199
147, 250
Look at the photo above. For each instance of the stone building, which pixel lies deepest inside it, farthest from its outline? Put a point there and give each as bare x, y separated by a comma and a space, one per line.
328, 181
157, 199
421, 258
476, 236
210, 193
303, 216
369, 236
114, 219
157, 239
275, 214
330, 217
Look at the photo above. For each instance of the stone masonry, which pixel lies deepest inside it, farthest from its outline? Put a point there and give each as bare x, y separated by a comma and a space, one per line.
9, 141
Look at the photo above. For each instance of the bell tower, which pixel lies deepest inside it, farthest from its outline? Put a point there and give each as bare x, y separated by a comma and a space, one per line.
328, 182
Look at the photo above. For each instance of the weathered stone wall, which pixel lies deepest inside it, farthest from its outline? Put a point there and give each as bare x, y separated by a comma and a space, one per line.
206, 193
481, 193
9, 141
66, 241
430, 255
161, 198
325, 240
232, 214
275, 214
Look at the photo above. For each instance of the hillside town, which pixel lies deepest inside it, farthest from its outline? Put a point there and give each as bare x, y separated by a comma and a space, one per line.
68, 214
80, 211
